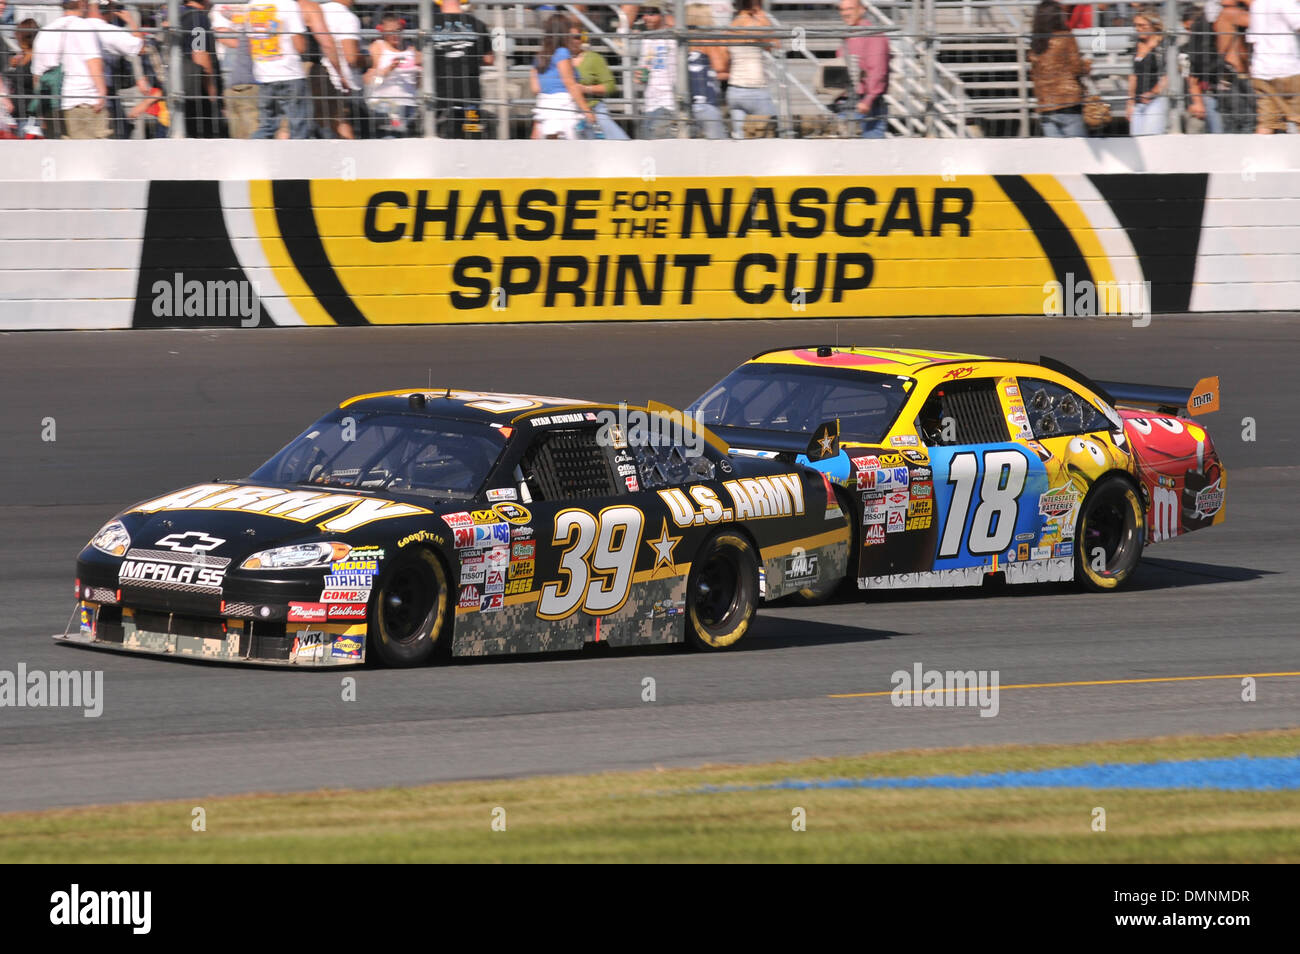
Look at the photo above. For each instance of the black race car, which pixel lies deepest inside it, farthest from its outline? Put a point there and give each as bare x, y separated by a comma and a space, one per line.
411, 524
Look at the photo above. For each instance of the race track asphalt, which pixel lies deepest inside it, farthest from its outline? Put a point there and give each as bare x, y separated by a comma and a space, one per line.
137, 413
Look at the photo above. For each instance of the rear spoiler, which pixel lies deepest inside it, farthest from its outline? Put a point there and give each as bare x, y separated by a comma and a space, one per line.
824, 442
1203, 398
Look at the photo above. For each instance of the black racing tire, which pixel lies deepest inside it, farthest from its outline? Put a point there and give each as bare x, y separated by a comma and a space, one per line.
410, 614
721, 592
1111, 521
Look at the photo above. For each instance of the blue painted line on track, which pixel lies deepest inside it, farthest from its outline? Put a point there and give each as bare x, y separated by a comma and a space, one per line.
1240, 774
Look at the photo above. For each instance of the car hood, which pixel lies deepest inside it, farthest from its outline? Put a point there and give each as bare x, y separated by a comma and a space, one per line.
237, 518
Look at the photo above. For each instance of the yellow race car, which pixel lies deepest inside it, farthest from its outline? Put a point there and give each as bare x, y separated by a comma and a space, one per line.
957, 466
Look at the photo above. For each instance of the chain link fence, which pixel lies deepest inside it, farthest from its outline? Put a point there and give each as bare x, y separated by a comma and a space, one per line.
527, 69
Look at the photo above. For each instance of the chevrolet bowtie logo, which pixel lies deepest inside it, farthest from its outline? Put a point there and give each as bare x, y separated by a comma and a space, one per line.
191, 541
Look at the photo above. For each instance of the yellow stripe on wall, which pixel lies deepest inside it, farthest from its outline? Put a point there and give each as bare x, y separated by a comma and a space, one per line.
277, 256
1076, 220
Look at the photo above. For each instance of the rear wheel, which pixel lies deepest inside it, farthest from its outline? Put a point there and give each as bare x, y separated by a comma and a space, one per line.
722, 592
409, 618
1109, 538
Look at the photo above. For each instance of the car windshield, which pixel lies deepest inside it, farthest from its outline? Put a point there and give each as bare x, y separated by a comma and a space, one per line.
787, 397
396, 453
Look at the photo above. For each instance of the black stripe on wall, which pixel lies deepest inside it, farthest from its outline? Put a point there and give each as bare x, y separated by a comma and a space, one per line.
297, 221
1162, 215
185, 240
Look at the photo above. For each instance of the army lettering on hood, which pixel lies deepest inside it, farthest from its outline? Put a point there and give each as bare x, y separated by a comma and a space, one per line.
298, 505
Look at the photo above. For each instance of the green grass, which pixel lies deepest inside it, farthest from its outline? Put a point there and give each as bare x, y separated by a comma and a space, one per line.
652, 816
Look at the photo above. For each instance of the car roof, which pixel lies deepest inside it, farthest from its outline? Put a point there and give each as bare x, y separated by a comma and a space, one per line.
907, 361
491, 407
494, 407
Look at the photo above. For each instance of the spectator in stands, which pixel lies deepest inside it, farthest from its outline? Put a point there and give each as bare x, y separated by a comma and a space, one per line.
657, 71
1055, 67
867, 59
19, 73
338, 96
461, 48
1275, 63
277, 32
394, 79
201, 80
1080, 17
747, 93
120, 41
1237, 103
68, 44
1148, 103
706, 67
560, 100
238, 81
8, 122
1205, 70
9, 47
596, 80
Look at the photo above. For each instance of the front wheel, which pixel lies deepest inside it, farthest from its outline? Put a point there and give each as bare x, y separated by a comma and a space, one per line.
722, 592
1108, 541
409, 616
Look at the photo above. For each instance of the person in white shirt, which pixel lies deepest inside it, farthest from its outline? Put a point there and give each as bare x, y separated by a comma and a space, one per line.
70, 42
394, 79
1275, 63
121, 49
336, 96
657, 70
277, 33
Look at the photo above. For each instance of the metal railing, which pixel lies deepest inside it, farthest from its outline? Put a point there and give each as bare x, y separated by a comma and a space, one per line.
957, 68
